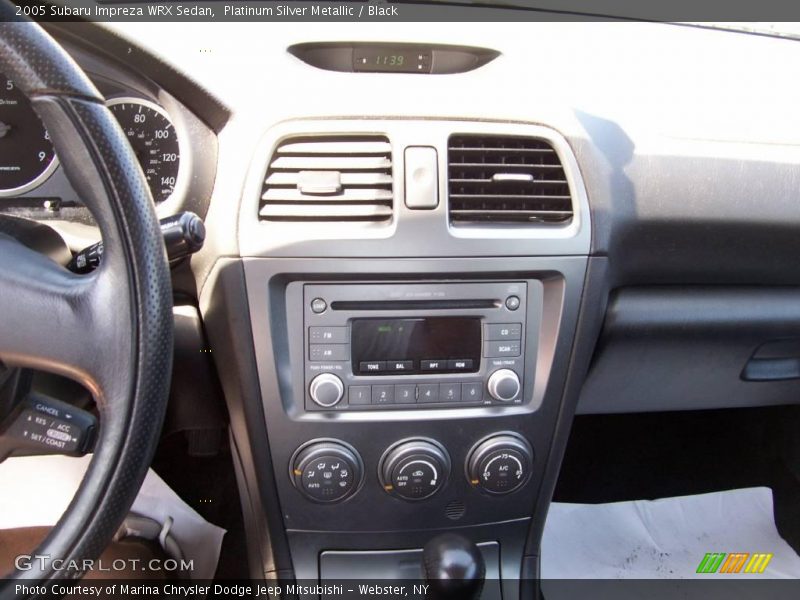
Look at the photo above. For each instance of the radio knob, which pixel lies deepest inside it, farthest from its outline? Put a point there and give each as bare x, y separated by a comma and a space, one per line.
326, 390
504, 385
415, 469
500, 464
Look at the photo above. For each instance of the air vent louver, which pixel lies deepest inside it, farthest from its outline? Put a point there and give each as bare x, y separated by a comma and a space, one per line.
329, 178
506, 180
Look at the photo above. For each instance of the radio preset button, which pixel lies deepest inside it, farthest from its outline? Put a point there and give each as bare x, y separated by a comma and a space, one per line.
433, 365
450, 392
372, 366
471, 392
328, 335
500, 349
460, 364
428, 392
383, 394
359, 394
323, 352
399, 365
503, 331
405, 394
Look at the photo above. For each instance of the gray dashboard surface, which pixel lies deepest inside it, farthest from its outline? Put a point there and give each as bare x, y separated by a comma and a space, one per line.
686, 138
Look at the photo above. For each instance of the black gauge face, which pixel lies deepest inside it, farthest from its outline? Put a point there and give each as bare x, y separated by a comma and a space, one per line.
154, 141
27, 157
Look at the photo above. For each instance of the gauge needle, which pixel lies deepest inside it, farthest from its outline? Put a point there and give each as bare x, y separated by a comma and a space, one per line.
4, 129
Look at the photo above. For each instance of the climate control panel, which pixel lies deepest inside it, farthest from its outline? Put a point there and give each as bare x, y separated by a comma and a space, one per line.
414, 469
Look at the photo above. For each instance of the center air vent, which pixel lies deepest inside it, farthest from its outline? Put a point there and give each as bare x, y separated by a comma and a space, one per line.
506, 180
329, 178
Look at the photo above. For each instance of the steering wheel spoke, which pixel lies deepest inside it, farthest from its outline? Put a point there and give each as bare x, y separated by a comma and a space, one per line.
50, 318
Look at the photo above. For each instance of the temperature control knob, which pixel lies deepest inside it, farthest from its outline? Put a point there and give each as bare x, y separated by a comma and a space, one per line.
414, 469
500, 464
326, 470
326, 390
503, 385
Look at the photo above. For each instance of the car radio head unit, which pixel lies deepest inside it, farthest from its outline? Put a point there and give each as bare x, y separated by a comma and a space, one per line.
421, 345
415, 345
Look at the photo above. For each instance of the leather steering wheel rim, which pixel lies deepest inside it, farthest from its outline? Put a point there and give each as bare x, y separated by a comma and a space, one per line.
110, 330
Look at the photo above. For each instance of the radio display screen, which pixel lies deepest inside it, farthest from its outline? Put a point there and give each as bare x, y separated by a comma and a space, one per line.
417, 345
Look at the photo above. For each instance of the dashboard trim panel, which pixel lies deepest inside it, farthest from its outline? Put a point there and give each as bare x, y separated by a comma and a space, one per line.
410, 232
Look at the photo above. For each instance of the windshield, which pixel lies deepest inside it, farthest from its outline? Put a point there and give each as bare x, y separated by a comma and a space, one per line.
789, 30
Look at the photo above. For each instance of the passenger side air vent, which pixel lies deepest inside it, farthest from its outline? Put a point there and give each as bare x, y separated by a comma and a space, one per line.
329, 178
506, 180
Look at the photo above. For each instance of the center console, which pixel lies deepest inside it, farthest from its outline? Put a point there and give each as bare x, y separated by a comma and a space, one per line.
364, 459
410, 371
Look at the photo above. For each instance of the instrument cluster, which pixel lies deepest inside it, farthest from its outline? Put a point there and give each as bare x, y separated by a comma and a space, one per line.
28, 159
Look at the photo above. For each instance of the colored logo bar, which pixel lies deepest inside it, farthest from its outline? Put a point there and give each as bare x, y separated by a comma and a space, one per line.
735, 562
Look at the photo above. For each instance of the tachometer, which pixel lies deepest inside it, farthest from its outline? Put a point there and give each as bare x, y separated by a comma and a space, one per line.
27, 157
154, 141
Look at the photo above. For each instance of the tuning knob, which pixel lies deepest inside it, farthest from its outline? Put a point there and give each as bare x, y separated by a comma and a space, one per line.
504, 385
326, 390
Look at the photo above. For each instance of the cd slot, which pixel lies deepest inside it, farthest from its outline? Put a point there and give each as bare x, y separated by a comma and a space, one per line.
355, 305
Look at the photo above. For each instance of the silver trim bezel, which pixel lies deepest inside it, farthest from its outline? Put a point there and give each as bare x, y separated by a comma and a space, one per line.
410, 232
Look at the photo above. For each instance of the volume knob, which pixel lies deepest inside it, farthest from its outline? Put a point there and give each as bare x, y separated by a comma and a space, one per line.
503, 385
326, 390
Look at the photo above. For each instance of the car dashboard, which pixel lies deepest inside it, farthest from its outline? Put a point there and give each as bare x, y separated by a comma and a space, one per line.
430, 248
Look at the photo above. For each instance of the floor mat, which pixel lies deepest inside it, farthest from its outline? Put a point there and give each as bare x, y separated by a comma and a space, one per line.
668, 538
43, 487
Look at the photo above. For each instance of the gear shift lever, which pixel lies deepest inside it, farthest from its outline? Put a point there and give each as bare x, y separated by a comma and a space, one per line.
453, 568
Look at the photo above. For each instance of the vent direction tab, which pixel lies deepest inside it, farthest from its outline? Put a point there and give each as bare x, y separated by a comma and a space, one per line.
319, 182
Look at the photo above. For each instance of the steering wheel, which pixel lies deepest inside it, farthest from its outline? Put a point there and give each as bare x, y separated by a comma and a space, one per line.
110, 330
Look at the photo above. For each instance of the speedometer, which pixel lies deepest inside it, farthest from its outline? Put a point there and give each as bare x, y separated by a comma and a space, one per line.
27, 157
154, 140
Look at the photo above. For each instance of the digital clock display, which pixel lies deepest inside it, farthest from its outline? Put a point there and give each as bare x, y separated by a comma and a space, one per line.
391, 60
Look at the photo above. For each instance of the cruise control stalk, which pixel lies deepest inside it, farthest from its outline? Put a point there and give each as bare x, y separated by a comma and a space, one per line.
184, 234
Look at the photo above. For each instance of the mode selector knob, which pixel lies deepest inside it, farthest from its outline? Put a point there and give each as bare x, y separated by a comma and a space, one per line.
326, 390
414, 469
500, 463
326, 470
503, 385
